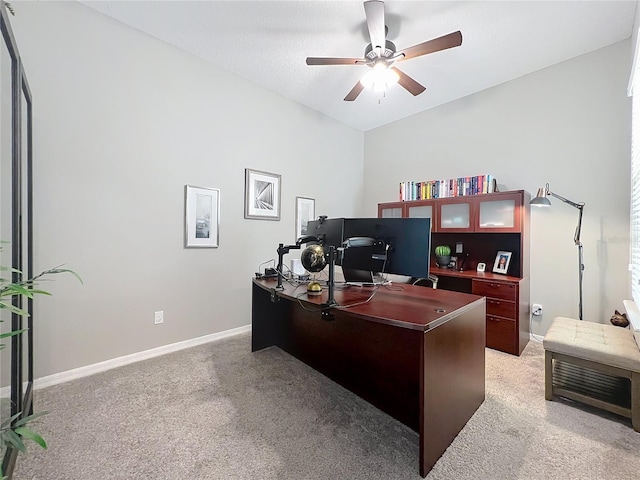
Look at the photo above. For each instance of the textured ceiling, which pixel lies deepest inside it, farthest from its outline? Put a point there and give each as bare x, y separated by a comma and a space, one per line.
267, 43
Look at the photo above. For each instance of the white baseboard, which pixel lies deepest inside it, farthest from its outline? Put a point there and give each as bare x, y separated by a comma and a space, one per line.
535, 337
80, 372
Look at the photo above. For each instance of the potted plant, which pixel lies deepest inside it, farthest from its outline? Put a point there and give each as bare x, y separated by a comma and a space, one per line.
14, 430
443, 255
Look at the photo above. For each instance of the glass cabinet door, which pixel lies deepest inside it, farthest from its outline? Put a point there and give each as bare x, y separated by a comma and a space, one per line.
390, 211
420, 211
499, 215
455, 216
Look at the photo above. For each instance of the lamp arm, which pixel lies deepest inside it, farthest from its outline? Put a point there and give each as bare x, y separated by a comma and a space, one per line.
561, 198
579, 206
576, 237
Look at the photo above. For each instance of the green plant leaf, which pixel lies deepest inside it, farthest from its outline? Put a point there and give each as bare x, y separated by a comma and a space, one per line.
39, 292
14, 309
18, 289
7, 422
54, 271
12, 333
12, 438
29, 418
9, 269
31, 435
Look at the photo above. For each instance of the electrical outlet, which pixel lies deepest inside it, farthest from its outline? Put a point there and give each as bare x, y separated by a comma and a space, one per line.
159, 317
536, 309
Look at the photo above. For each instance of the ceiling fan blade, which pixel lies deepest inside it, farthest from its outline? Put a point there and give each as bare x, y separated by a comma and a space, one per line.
374, 10
335, 61
355, 91
441, 43
413, 87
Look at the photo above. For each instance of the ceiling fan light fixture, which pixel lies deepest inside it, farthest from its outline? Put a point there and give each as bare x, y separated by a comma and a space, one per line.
379, 78
381, 54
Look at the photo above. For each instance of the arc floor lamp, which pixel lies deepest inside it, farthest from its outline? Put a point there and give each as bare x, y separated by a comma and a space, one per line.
541, 200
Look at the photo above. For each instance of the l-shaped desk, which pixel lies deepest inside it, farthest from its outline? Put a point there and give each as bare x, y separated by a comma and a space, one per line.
416, 353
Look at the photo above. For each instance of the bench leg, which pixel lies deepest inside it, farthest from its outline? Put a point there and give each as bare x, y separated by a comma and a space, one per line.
635, 401
548, 375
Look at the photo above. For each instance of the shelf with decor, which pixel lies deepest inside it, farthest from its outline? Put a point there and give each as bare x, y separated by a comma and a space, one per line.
476, 228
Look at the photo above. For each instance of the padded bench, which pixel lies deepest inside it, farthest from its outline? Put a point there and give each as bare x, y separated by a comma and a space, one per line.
595, 364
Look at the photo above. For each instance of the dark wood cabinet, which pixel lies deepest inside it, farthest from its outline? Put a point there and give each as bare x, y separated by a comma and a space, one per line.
507, 326
489, 213
495, 212
414, 209
483, 224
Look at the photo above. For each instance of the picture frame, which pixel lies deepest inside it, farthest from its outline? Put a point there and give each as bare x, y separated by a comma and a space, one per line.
501, 263
261, 195
201, 217
305, 212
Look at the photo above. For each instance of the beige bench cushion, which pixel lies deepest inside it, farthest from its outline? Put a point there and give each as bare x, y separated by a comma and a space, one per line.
606, 344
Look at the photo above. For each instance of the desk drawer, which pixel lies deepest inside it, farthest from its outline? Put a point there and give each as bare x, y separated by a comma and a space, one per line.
504, 291
501, 308
501, 334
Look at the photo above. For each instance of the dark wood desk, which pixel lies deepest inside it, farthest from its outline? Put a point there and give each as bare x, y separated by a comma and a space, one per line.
414, 352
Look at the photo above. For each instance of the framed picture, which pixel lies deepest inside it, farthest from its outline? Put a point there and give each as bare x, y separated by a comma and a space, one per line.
305, 212
261, 195
201, 216
501, 264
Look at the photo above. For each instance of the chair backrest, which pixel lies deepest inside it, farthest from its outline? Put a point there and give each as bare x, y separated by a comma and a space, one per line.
633, 315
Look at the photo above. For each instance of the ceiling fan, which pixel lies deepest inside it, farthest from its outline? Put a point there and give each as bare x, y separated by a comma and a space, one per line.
381, 54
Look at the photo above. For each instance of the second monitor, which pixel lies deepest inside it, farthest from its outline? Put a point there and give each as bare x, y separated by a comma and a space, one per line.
381, 245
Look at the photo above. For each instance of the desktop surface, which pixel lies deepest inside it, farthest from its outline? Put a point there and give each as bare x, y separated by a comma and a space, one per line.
404, 305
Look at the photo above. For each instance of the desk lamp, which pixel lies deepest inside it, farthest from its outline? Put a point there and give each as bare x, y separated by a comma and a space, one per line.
541, 200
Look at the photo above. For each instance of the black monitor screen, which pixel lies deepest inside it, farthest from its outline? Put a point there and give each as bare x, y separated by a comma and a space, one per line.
328, 230
396, 245
407, 241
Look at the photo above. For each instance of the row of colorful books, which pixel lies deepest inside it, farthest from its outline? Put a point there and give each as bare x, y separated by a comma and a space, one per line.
453, 187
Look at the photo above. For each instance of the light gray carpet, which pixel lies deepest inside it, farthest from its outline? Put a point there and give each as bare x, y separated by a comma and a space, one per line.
218, 411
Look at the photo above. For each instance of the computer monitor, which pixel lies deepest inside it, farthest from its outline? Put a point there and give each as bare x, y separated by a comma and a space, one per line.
329, 231
361, 257
396, 245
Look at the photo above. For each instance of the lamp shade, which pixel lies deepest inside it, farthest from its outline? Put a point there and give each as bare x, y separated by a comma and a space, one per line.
379, 78
541, 199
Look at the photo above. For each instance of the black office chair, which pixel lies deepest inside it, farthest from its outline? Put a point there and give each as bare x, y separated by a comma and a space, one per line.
430, 281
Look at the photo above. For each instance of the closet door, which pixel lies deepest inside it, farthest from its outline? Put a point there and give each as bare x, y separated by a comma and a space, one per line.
6, 219
16, 221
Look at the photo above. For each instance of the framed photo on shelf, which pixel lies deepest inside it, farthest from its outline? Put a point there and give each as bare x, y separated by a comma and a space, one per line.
305, 212
201, 217
501, 264
261, 195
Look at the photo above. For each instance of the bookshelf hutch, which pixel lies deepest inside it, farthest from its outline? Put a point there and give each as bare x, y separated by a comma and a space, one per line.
483, 224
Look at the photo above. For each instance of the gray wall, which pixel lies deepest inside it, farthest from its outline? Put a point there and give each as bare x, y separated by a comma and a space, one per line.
568, 125
122, 123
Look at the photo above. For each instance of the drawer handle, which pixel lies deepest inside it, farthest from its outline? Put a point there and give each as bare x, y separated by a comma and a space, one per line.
494, 319
494, 285
495, 302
